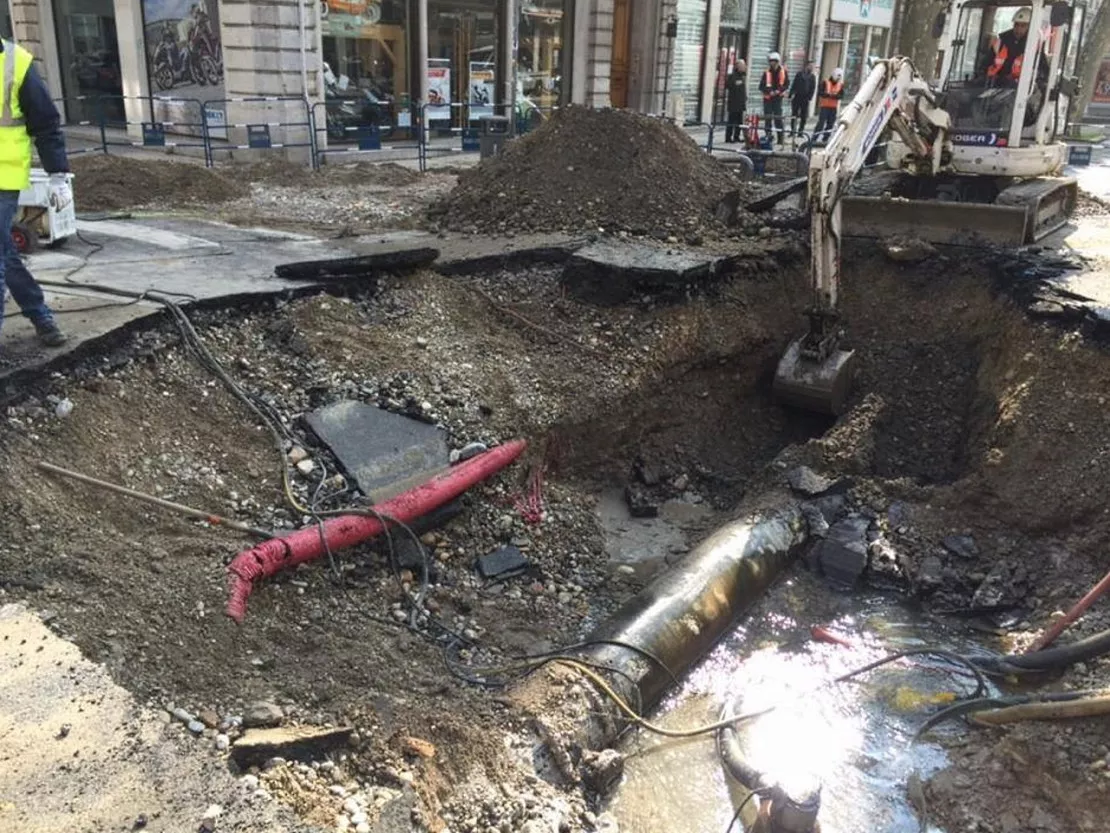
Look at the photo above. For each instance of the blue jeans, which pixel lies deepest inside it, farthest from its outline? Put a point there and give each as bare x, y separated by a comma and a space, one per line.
25, 291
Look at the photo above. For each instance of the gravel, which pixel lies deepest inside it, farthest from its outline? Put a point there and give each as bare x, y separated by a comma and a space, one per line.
589, 170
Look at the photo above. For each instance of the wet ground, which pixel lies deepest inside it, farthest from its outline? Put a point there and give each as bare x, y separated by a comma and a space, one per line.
855, 737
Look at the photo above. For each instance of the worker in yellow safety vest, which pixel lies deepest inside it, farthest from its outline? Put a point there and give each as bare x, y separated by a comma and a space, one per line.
828, 103
27, 117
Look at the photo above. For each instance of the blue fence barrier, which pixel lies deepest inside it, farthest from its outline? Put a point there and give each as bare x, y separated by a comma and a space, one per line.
253, 125
171, 123
339, 131
82, 112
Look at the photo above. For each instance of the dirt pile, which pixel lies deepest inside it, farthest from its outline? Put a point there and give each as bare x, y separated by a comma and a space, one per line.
107, 183
591, 169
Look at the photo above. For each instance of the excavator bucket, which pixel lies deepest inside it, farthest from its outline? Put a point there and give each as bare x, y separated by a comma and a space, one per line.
811, 385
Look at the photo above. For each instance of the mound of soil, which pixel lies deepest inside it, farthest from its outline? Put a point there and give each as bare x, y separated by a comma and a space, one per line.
589, 169
107, 183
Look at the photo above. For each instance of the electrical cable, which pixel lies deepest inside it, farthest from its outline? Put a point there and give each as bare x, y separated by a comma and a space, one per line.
740, 809
637, 718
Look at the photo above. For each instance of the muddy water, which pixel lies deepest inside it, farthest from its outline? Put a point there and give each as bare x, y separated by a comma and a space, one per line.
856, 736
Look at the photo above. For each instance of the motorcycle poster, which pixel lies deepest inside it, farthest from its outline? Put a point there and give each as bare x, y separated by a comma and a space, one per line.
185, 61
439, 90
481, 89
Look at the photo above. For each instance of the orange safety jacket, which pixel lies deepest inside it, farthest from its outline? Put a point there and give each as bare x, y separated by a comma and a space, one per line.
995, 69
831, 93
771, 85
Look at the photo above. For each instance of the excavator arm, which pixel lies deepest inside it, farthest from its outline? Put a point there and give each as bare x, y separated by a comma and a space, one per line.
814, 373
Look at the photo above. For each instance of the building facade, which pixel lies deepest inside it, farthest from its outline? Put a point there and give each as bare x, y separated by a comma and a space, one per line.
188, 64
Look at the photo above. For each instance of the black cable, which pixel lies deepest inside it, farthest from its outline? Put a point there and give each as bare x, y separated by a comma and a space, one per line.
740, 809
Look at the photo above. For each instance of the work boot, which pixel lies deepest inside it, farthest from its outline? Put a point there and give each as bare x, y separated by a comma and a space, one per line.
50, 333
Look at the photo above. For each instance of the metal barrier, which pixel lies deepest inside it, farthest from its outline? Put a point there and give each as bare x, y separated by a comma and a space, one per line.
168, 118
254, 132
87, 120
343, 137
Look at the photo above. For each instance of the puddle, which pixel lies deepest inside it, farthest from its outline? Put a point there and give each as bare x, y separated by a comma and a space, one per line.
855, 737
647, 545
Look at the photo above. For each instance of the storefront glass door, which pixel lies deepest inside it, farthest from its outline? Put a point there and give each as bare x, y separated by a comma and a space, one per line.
89, 57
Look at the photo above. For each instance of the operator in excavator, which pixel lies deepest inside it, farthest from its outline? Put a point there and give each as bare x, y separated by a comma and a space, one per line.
1002, 65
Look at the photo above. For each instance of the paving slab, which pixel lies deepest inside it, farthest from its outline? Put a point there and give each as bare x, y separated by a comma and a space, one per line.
1087, 288
466, 254
616, 271
190, 260
384, 453
77, 752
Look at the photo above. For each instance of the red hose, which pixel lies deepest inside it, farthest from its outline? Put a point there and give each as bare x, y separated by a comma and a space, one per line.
270, 557
1078, 610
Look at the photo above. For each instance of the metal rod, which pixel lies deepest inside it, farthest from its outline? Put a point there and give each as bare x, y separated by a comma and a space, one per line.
181, 509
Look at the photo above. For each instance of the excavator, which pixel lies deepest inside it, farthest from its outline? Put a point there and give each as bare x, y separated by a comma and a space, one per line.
973, 159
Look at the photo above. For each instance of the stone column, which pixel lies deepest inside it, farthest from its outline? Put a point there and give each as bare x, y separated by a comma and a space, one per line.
266, 54
599, 53
132, 63
27, 29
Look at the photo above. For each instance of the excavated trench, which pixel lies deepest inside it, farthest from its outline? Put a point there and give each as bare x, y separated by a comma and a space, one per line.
966, 418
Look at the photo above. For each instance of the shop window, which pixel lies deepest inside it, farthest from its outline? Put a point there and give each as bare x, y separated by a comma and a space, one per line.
366, 79
89, 56
539, 74
687, 69
854, 63
462, 56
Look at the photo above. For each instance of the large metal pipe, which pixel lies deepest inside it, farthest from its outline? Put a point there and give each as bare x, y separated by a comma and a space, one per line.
680, 616
655, 638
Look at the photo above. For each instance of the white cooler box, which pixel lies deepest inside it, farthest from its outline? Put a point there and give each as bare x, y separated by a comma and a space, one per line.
38, 223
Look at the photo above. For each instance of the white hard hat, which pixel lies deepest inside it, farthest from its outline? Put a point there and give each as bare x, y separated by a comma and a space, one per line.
1024, 15
838, 73
774, 56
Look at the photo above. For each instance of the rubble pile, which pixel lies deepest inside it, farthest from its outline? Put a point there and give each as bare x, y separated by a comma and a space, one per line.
590, 170
109, 183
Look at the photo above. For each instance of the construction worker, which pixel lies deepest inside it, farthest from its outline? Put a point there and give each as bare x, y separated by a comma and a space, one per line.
27, 115
773, 84
1003, 64
736, 100
828, 103
802, 89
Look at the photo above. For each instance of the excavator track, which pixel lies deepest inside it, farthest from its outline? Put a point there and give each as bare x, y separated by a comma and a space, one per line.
1023, 213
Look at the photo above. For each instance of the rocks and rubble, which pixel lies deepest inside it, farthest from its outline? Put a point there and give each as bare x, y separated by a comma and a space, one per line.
591, 170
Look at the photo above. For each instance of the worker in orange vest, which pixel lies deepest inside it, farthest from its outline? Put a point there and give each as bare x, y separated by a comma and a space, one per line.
773, 84
828, 103
1004, 66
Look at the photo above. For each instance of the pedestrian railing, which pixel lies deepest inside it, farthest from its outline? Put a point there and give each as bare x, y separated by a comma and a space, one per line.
262, 123
251, 122
339, 132
171, 123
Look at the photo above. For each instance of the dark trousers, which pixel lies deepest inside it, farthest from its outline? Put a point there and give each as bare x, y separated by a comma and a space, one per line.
772, 111
826, 120
25, 291
799, 113
734, 129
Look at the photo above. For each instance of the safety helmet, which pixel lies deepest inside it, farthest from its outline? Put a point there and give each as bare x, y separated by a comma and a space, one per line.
741, 65
838, 73
1024, 15
774, 56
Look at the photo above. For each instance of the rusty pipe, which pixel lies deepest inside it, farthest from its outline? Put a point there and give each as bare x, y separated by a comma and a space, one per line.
681, 615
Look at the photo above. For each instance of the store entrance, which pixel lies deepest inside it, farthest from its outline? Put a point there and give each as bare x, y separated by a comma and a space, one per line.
732, 47
88, 53
462, 55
